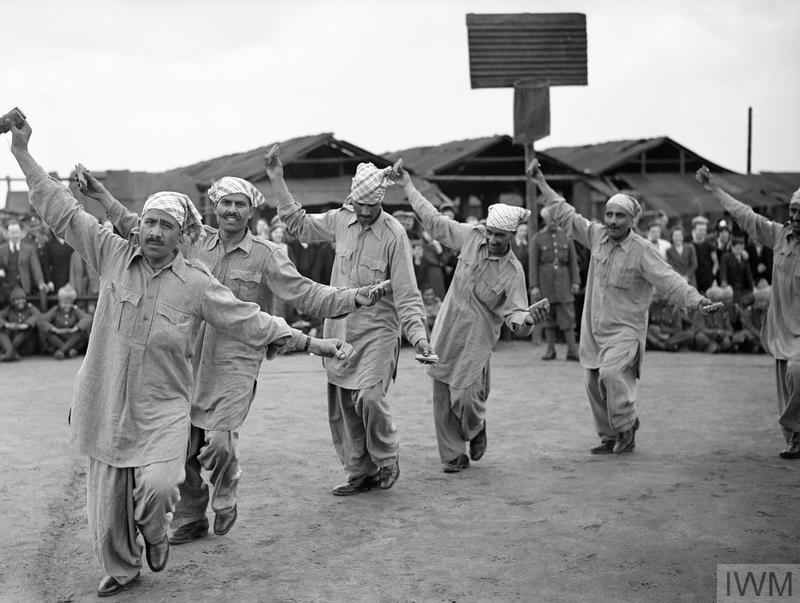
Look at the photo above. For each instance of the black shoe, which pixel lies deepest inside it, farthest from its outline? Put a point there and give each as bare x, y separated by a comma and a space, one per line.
388, 475
477, 445
626, 441
356, 486
792, 450
573, 356
157, 554
457, 464
549, 355
109, 586
606, 447
190, 531
224, 520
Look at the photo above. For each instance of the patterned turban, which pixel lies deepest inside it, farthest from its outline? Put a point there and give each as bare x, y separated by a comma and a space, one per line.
229, 185
369, 184
795, 197
626, 203
177, 205
506, 217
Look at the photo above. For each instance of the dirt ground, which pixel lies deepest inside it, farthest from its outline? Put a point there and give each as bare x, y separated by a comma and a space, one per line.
538, 519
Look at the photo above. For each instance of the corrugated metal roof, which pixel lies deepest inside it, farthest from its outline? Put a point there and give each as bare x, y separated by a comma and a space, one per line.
680, 195
426, 161
600, 158
504, 48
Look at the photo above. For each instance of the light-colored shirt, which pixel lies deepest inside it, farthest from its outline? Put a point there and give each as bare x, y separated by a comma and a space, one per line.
131, 399
485, 291
254, 269
780, 332
619, 286
364, 256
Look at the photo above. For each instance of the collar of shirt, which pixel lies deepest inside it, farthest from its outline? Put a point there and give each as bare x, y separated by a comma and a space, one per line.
483, 247
177, 265
246, 243
624, 243
378, 227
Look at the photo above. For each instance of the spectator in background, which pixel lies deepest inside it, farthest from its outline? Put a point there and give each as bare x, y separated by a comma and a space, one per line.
734, 270
519, 245
722, 246
59, 258
555, 276
704, 251
654, 236
432, 306
713, 333
19, 262
262, 229
682, 257
18, 327
668, 329
448, 210
64, 329
760, 258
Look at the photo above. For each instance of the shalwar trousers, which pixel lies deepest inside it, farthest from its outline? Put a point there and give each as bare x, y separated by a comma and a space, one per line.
787, 376
612, 391
222, 462
364, 435
458, 415
123, 502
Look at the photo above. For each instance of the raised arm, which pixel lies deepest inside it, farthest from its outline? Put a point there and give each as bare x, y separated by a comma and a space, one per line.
762, 229
669, 283
562, 213
60, 210
121, 217
448, 232
307, 228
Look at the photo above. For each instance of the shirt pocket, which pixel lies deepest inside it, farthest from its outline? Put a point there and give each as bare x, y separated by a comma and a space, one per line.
344, 259
173, 324
126, 308
371, 270
490, 294
246, 284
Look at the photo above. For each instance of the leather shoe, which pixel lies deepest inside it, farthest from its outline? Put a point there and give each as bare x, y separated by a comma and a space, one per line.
477, 445
626, 441
549, 355
356, 486
157, 554
573, 356
457, 464
190, 531
388, 475
792, 450
109, 586
224, 520
606, 447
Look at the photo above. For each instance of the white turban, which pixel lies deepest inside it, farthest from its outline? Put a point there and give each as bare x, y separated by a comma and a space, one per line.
229, 185
177, 205
369, 184
626, 203
506, 217
795, 197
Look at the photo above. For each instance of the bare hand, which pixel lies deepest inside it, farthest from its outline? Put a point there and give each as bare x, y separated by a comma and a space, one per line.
88, 183
273, 164
216, 451
403, 178
423, 347
330, 348
534, 170
539, 311
703, 176
369, 296
575, 288
20, 136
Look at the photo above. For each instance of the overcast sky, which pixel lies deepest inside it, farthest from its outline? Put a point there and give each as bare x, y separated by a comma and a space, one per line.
151, 85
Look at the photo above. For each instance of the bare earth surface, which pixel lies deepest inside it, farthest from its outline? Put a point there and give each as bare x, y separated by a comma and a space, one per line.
538, 519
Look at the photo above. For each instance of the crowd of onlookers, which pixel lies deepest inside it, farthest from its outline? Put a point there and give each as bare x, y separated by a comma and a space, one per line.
47, 293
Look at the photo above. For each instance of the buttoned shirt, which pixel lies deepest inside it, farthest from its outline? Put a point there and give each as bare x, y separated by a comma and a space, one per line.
365, 255
486, 291
254, 269
619, 286
131, 400
780, 332
65, 318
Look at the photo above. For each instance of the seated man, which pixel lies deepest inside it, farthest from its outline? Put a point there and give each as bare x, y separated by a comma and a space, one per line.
713, 333
667, 330
18, 327
64, 329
